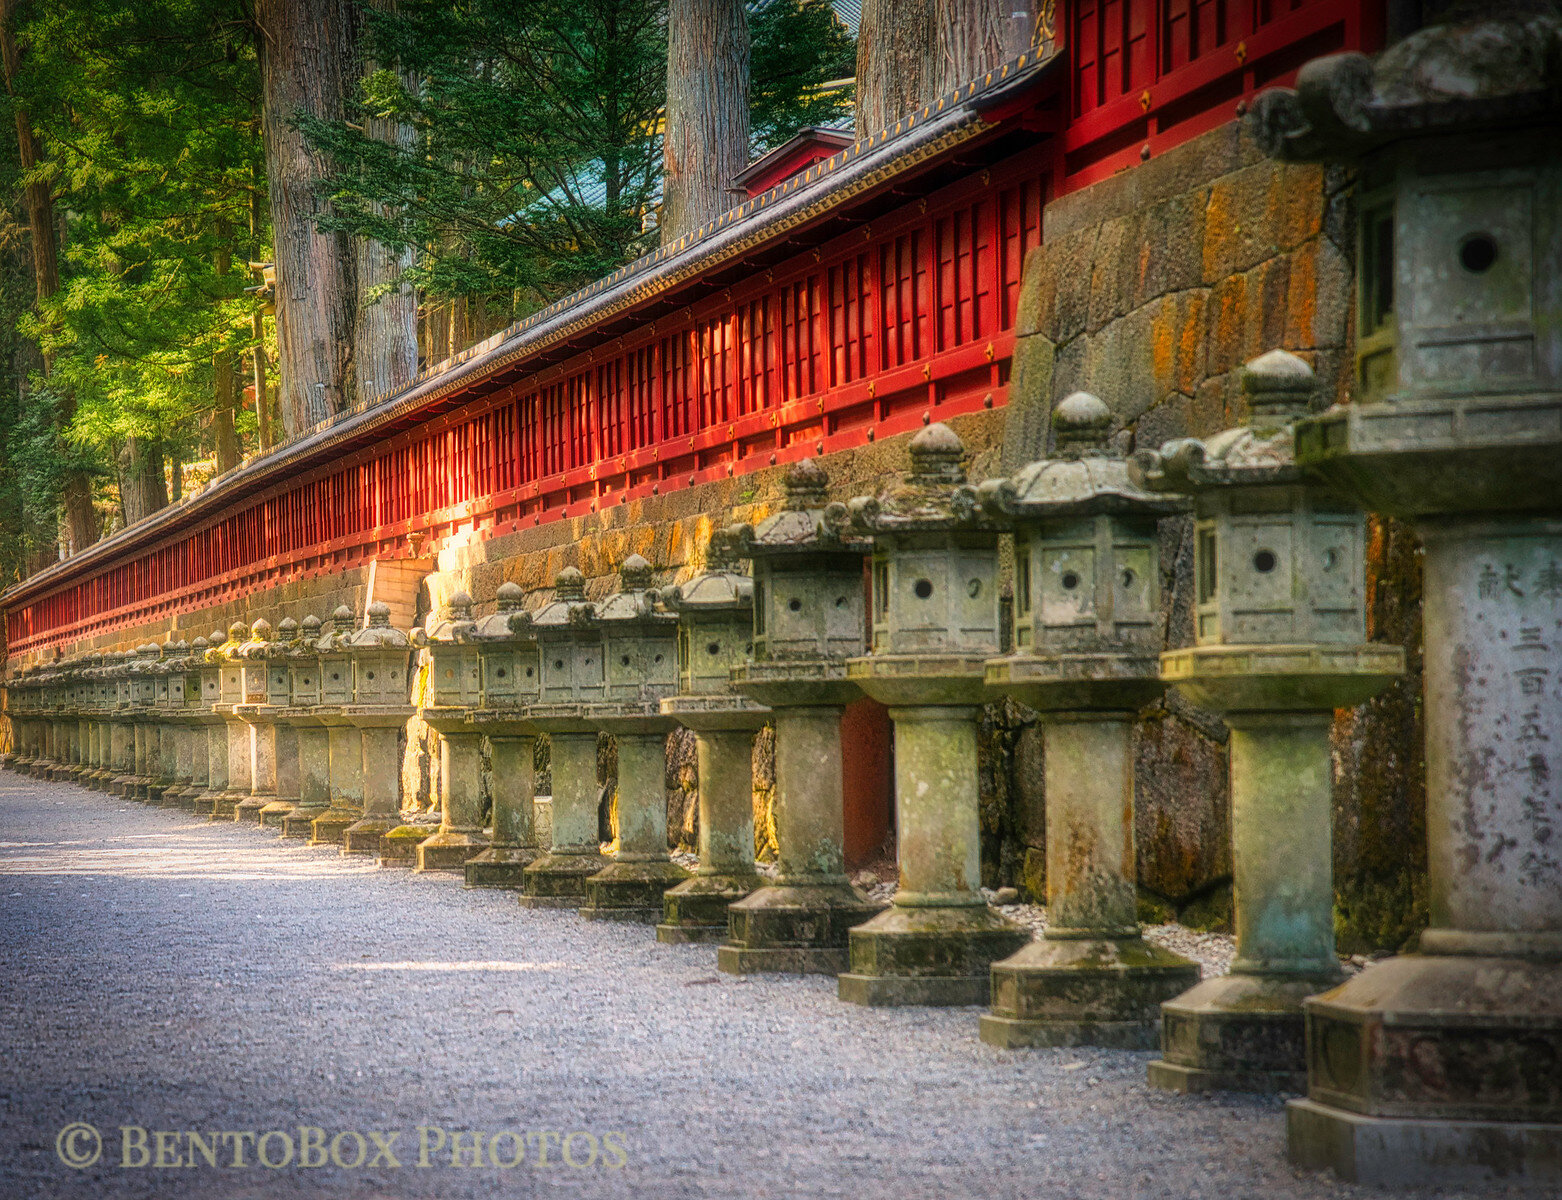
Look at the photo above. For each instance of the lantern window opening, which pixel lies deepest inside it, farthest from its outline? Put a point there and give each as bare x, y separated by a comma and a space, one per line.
1206, 564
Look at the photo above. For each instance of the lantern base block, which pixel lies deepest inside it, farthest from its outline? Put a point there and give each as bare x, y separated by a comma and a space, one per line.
558, 879
1439, 1066
226, 803
793, 929
249, 809
631, 891
276, 812
449, 850
173, 794
696, 910
398, 847
203, 804
500, 867
1406, 1152
934, 955
300, 822
328, 828
1238, 1033
363, 836
1084, 992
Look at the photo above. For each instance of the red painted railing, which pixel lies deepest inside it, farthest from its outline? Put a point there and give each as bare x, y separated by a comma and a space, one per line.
904, 315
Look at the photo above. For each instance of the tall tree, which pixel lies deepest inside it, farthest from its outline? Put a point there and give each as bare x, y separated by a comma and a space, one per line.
973, 38
898, 62
385, 338
706, 140
536, 151
81, 527
308, 52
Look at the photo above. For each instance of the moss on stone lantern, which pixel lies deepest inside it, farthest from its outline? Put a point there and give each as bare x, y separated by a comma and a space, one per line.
344, 748
256, 662
1279, 646
935, 623
808, 620
1442, 1066
569, 654
306, 675
640, 650
382, 658
507, 649
1088, 632
715, 633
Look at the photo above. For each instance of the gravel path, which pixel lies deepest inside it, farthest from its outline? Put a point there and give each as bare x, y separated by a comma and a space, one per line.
173, 975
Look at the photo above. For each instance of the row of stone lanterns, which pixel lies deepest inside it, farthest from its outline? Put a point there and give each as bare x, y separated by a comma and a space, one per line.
234, 726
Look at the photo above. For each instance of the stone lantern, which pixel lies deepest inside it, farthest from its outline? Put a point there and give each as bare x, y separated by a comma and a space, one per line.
640, 653
808, 620
569, 656
507, 651
1280, 643
715, 633
1445, 1066
313, 753
279, 708
214, 724
160, 749
455, 685
193, 768
382, 667
935, 623
257, 712
239, 779
344, 748
174, 756
143, 710
1087, 637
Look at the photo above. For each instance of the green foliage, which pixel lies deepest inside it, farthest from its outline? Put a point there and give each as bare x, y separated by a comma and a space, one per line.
535, 144
147, 116
795, 47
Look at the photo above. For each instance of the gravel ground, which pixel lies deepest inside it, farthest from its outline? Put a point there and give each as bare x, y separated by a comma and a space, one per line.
160, 972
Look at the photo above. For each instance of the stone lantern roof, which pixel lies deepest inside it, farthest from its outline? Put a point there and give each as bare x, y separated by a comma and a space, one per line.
569, 605
1261, 452
509, 619
379, 633
636, 600
1085, 479
932, 496
1484, 65
335, 638
799, 528
721, 586
453, 623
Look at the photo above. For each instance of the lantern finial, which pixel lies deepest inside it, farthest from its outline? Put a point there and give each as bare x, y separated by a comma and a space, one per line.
936, 454
1279, 386
1081, 424
807, 485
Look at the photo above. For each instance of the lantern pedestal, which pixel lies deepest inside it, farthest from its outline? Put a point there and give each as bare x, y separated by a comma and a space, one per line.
1442, 1066
631, 886
262, 731
724, 729
239, 779
344, 749
380, 733
558, 878
314, 776
460, 834
1091, 979
399, 846
1245, 1032
937, 942
276, 812
799, 924
216, 766
514, 846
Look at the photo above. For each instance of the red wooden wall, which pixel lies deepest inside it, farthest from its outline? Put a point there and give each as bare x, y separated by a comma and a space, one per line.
906, 319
